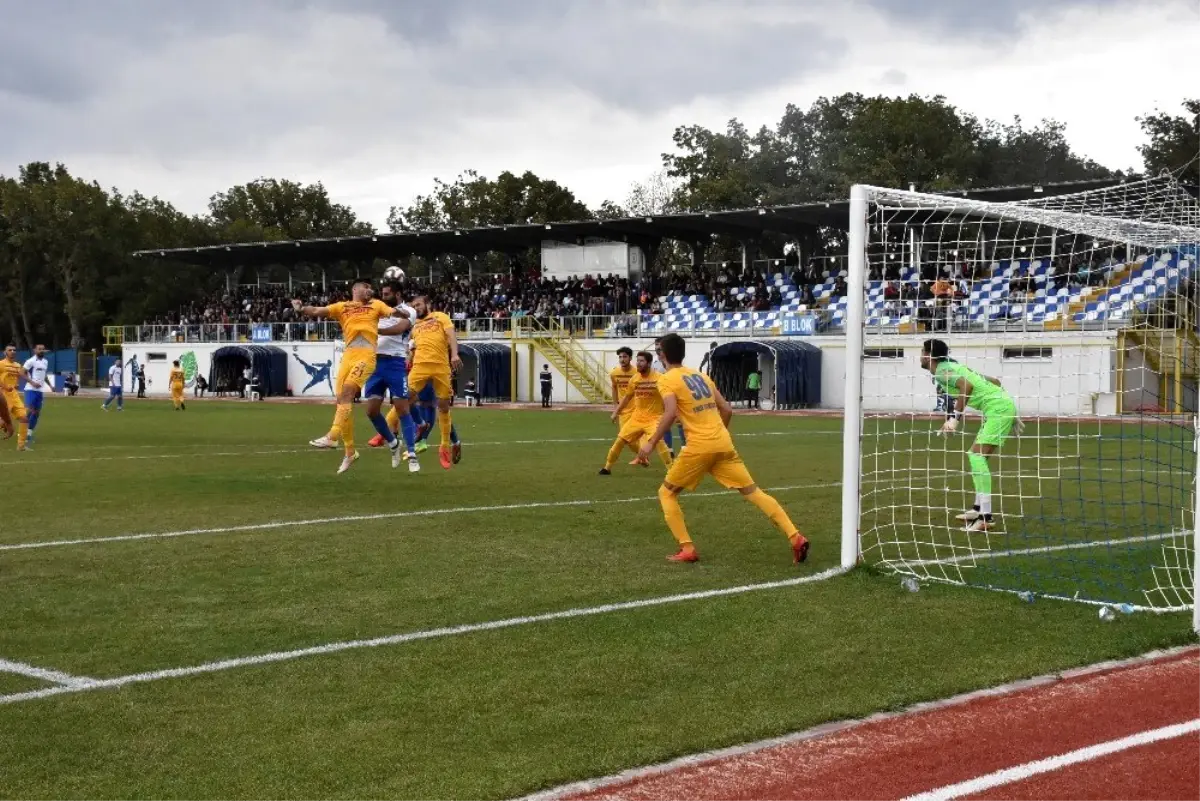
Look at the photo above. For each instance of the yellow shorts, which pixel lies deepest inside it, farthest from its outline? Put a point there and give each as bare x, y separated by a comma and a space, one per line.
356, 367
423, 374
16, 406
633, 430
177, 390
727, 468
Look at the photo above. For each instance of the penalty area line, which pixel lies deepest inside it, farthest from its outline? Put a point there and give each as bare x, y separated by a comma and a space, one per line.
321, 521
1031, 769
415, 636
44, 674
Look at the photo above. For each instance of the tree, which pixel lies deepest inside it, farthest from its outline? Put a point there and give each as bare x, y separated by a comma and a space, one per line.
269, 210
1174, 142
474, 201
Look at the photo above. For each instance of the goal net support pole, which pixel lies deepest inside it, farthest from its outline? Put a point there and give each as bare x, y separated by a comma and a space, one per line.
852, 436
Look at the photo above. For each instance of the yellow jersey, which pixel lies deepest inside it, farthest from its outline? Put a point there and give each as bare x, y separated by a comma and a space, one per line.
431, 339
696, 405
647, 403
621, 378
359, 321
176, 378
10, 375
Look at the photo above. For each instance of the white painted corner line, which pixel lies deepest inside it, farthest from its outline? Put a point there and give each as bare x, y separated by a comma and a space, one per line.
321, 521
86, 685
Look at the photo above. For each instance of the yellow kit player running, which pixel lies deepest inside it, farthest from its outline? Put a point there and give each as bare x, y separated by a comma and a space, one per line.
694, 399
359, 319
11, 373
176, 381
620, 377
435, 358
642, 397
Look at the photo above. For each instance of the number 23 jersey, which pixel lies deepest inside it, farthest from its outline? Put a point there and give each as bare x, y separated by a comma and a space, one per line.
696, 405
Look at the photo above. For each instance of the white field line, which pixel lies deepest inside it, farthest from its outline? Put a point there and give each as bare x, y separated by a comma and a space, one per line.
414, 636
320, 521
1031, 769
43, 674
199, 454
825, 729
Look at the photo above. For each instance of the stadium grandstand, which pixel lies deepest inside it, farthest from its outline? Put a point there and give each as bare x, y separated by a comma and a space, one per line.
919, 286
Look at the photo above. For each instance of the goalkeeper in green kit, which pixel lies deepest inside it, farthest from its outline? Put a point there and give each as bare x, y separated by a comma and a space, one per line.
1001, 420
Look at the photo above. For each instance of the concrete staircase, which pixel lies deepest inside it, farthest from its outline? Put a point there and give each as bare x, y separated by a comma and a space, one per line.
559, 347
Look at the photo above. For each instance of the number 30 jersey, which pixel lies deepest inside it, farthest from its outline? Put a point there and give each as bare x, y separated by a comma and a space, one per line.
696, 404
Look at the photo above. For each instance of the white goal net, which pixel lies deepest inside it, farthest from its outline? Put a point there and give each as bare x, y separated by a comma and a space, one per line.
1066, 330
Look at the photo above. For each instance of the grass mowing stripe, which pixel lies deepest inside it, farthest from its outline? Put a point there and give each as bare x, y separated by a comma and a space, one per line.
26, 546
468, 444
415, 636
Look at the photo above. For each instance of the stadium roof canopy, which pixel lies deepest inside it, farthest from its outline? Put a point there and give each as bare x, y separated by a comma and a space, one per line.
694, 227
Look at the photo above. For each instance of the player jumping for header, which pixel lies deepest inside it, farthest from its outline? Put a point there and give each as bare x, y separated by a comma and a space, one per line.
986, 396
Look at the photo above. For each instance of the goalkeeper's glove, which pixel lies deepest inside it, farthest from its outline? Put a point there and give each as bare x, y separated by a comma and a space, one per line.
950, 426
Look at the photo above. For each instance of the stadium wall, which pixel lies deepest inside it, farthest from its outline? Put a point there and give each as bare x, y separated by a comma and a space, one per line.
1077, 376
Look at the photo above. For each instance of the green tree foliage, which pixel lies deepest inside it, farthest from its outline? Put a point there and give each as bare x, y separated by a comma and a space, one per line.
819, 153
270, 210
473, 200
1174, 143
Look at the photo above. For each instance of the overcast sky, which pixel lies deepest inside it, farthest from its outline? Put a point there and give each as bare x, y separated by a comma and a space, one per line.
377, 97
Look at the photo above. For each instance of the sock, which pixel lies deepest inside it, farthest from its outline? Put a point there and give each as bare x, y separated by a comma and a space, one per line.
33, 420
445, 425
393, 420
453, 435
673, 512
981, 476
335, 430
381, 425
343, 424
664, 453
22, 433
771, 508
409, 429
614, 453
422, 416
667, 439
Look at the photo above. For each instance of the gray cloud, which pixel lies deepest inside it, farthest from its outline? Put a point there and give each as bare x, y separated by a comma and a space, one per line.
988, 19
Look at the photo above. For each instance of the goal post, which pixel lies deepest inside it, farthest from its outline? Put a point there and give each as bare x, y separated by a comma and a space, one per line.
1073, 323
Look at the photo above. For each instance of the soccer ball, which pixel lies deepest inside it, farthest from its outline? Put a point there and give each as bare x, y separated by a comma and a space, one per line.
393, 273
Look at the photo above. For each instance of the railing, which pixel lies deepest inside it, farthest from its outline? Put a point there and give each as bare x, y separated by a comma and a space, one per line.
814, 322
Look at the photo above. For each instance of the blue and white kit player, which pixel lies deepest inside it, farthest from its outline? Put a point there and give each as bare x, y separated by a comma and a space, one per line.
37, 368
391, 378
115, 376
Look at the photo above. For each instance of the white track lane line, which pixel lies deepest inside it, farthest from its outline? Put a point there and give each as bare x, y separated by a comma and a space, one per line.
44, 674
415, 636
320, 521
1030, 769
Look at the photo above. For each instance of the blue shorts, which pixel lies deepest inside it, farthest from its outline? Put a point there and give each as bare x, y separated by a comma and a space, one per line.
427, 396
115, 392
391, 375
33, 399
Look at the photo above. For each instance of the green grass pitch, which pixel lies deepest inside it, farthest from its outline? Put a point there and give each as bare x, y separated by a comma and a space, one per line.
523, 526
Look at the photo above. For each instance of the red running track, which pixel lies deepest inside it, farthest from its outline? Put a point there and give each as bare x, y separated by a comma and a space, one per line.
923, 751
